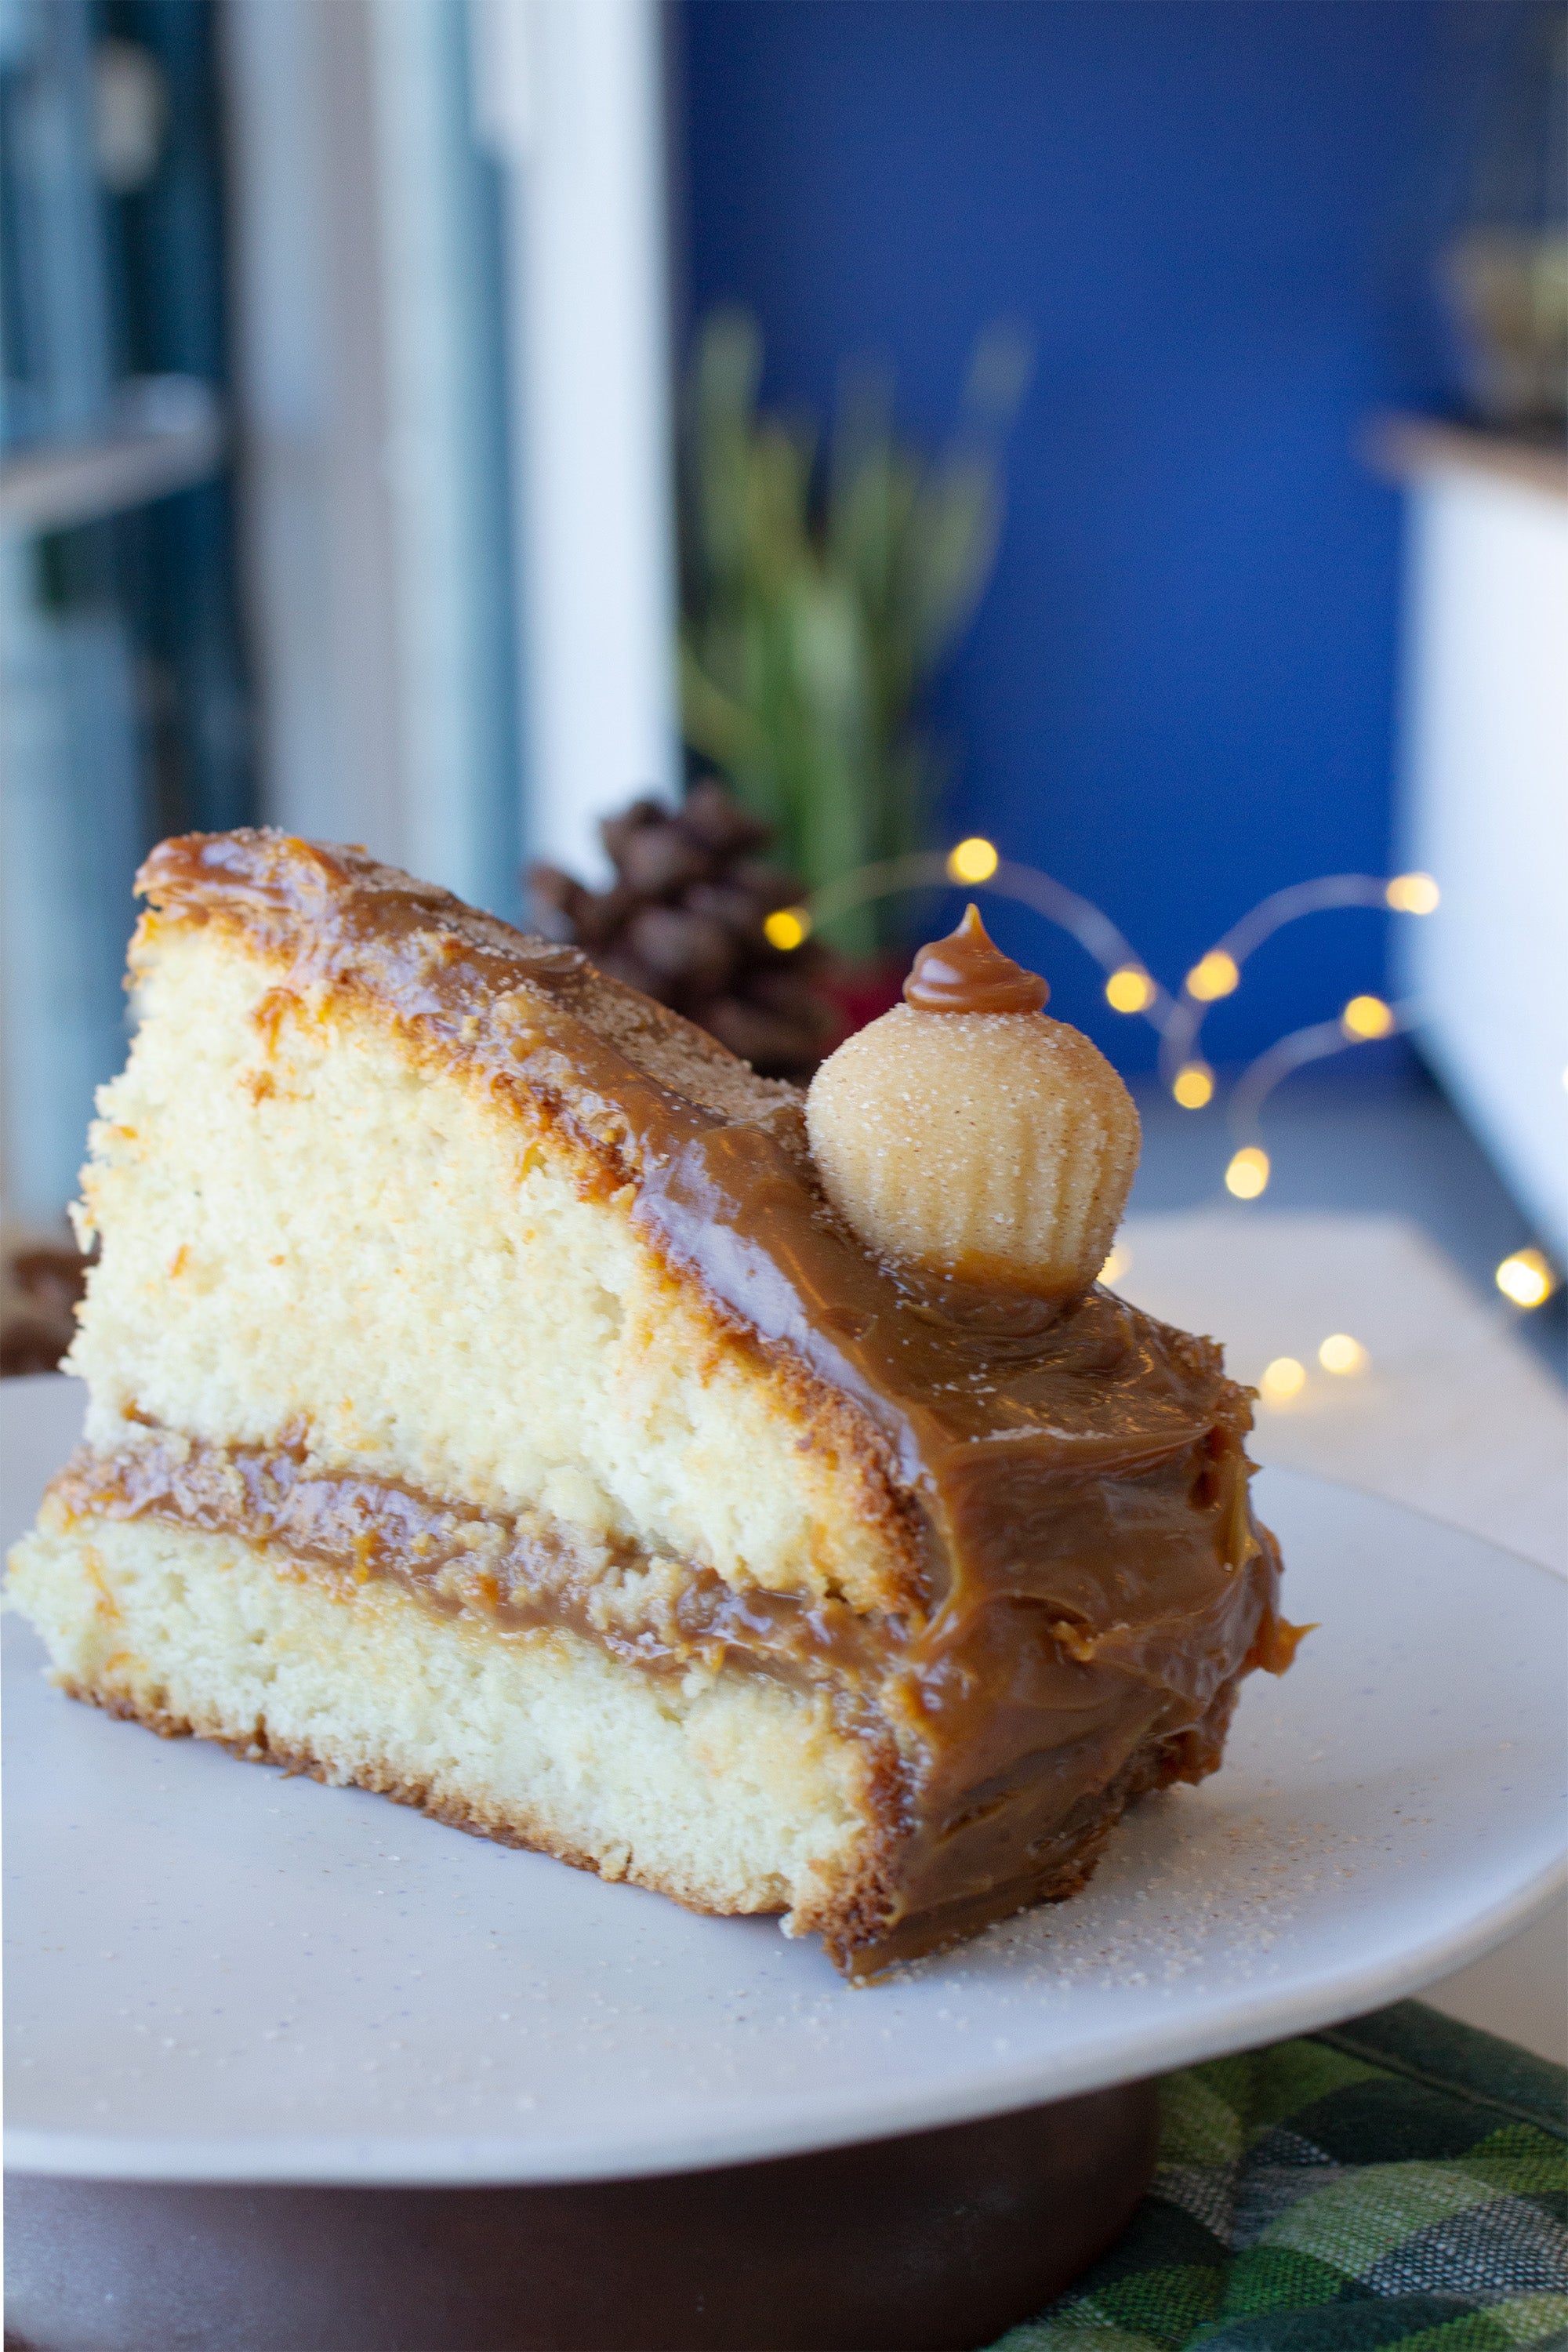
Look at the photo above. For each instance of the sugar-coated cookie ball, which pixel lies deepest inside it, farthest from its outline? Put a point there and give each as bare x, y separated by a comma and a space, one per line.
987, 1147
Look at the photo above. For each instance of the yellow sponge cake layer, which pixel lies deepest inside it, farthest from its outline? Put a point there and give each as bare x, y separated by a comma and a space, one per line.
730, 1793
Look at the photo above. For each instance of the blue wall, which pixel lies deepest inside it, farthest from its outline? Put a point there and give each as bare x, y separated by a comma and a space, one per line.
1216, 218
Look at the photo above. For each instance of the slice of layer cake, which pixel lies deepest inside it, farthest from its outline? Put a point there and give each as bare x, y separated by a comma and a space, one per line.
492, 1404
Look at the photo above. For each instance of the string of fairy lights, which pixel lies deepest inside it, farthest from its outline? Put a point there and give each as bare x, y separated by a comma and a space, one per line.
1525, 1277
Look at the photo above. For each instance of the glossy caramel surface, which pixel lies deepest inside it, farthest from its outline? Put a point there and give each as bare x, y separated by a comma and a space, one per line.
967, 972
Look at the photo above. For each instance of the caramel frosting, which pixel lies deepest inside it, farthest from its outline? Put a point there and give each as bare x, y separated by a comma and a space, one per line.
967, 972
1088, 1580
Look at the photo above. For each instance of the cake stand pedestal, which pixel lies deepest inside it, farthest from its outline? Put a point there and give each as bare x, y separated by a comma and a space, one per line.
939, 2239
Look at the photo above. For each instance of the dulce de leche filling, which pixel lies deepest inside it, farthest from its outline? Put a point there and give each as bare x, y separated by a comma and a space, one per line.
967, 972
515, 1573
1092, 1582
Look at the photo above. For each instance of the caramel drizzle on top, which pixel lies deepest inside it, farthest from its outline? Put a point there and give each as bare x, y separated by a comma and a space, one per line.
967, 972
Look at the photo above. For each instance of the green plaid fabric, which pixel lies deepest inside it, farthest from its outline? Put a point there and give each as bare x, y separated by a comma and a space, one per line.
1399, 2181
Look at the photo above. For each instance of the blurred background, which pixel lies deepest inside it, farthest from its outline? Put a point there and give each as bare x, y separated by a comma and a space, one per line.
1102, 456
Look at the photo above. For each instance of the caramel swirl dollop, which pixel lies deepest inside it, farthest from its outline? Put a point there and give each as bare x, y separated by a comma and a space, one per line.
967, 972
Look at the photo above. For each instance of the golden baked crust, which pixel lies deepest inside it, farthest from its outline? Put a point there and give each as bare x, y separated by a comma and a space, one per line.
335, 914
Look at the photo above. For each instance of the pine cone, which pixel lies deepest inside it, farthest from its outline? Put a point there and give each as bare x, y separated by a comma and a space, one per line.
683, 921
41, 1280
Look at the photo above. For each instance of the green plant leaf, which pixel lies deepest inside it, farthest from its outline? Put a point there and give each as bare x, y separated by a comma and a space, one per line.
821, 587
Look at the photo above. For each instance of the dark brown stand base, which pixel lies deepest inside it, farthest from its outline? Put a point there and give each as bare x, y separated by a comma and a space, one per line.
941, 2240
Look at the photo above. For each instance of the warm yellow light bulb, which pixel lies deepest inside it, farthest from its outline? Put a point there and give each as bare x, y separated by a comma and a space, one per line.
975, 860
1283, 1378
1129, 990
1193, 1086
787, 927
1340, 1353
1116, 1265
1525, 1278
1215, 974
1366, 1016
1413, 894
1247, 1174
